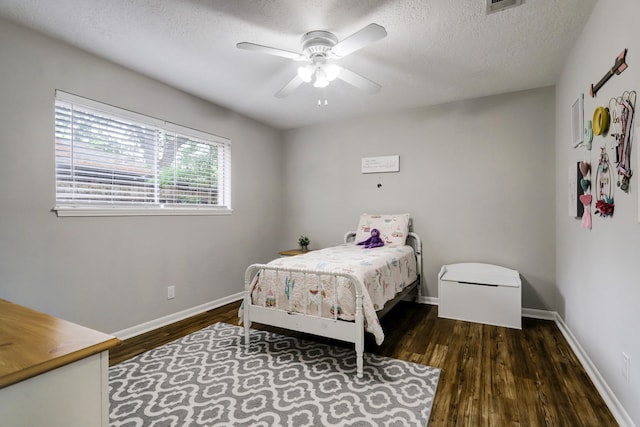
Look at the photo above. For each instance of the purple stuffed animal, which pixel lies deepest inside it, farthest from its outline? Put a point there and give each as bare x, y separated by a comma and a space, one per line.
374, 241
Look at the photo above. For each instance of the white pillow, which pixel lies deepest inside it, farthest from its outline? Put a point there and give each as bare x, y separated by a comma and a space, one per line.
393, 228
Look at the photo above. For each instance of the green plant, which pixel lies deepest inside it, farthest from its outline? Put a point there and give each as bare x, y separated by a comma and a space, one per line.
304, 241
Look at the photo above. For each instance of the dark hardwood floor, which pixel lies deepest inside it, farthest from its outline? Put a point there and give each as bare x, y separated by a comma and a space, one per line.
491, 376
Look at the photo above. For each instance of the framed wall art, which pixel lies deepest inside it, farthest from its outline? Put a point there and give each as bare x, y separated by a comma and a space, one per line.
577, 121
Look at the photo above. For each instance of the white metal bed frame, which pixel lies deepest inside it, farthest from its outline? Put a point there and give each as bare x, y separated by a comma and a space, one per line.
335, 328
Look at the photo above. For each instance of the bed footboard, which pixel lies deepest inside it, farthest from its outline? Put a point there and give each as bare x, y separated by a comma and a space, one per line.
334, 328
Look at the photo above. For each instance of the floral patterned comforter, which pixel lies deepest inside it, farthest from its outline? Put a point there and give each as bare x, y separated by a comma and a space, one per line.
385, 271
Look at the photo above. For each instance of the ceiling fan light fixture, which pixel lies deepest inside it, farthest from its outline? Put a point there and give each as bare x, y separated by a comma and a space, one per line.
331, 72
306, 73
321, 79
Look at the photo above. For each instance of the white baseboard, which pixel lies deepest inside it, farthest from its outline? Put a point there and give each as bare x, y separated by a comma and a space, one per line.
539, 314
616, 408
175, 317
428, 300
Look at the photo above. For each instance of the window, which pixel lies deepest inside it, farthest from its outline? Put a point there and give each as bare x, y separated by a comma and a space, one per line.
111, 161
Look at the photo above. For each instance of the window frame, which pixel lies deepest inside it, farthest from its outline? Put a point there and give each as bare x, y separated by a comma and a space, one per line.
63, 209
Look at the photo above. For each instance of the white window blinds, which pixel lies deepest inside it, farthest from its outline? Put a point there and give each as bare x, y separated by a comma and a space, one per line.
114, 161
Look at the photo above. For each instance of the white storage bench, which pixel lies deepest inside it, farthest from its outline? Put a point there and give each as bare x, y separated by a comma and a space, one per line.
482, 293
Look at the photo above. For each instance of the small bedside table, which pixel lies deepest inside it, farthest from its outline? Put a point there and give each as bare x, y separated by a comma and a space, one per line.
293, 252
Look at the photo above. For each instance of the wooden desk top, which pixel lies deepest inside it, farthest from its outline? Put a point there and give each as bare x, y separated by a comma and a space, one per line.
32, 343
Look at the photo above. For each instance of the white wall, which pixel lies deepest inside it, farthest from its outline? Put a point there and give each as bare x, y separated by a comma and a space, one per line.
112, 273
477, 177
598, 271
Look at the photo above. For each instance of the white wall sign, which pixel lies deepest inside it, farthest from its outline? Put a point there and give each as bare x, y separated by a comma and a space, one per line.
381, 164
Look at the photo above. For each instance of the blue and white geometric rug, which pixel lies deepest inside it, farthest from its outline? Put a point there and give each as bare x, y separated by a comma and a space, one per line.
210, 378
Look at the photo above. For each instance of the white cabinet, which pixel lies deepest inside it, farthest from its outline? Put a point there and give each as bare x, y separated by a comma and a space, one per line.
482, 293
53, 373
74, 395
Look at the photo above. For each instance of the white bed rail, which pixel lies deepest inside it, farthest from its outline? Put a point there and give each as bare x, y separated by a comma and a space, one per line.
307, 322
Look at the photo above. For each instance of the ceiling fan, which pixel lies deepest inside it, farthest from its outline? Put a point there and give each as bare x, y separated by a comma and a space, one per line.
320, 50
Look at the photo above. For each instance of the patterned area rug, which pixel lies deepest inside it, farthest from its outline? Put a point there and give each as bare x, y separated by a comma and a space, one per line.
210, 378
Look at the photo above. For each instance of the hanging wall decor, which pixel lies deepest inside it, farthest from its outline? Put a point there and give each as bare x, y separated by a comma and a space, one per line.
622, 112
618, 67
586, 216
588, 135
585, 198
604, 187
600, 120
585, 170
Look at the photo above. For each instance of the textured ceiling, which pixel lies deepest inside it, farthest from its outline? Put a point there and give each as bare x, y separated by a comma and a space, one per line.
436, 51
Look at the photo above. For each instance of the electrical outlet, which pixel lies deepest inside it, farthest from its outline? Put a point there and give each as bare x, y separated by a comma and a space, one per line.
171, 292
625, 366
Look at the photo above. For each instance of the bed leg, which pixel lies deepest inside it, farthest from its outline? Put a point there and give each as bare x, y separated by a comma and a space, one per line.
359, 341
246, 320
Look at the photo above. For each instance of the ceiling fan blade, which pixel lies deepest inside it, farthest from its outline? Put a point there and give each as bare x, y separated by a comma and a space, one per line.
359, 39
355, 79
289, 87
270, 50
